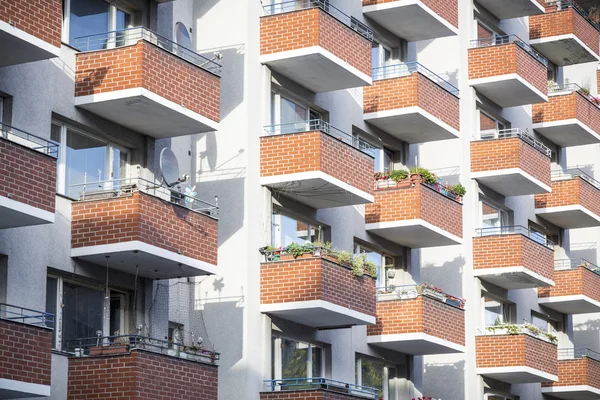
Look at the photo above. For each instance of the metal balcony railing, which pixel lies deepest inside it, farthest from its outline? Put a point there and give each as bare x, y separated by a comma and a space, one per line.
130, 36
44, 146
26, 316
408, 68
403, 292
565, 264
298, 5
291, 384
554, 88
572, 173
566, 4
577, 353
506, 39
516, 230
518, 133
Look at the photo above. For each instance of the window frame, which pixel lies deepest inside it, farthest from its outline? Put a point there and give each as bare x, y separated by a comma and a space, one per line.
385, 376
277, 213
277, 365
504, 215
276, 97
508, 309
112, 20
360, 248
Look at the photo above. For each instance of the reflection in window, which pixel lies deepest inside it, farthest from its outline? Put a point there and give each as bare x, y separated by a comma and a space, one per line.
376, 258
293, 359
81, 312
497, 312
287, 230
492, 217
379, 375
88, 17
85, 161
51, 299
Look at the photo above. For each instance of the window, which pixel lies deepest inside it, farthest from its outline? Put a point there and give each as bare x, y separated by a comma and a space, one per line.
537, 235
488, 126
381, 55
377, 374
492, 217
497, 311
383, 158
293, 359
287, 230
1, 109
292, 115
379, 259
544, 323
97, 18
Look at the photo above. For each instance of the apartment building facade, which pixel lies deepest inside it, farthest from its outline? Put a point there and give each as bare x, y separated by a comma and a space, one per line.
407, 203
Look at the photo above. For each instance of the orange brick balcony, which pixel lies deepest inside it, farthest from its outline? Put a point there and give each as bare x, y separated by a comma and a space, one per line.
570, 118
316, 45
315, 389
578, 375
574, 201
138, 223
415, 214
139, 368
316, 164
412, 21
27, 178
516, 358
129, 77
513, 8
576, 288
418, 320
508, 71
26, 348
513, 257
315, 290
412, 103
565, 34
511, 162
29, 30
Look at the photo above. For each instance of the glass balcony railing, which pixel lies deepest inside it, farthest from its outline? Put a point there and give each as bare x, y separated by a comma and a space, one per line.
516, 133
516, 230
408, 68
507, 39
572, 173
321, 383
566, 4
566, 264
33, 142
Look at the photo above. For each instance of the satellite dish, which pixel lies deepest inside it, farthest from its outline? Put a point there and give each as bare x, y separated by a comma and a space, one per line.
182, 36
169, 168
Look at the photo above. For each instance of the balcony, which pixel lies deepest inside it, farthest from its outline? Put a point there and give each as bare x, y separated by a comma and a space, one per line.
147, 369
565, 34
128, 77
575, 289
316, 45
415, 214
412, 103
26, 349
574, 201
414, 20
315, 388
513, 257
27, 178
316, 165
315, 289
511, 162
418, 320
30, 31
128, 223
578, 372
513, 8
524, 357
508, 71
570, 118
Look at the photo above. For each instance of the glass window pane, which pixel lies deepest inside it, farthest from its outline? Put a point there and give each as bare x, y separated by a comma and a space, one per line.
119, 167
294, 357
291, 231
293, 114
491, 217
88, 17
85, 162
116, 316
493, 312
81, 313
123, 22
51, 289
317, 361
55, 133
372, 375
539, 322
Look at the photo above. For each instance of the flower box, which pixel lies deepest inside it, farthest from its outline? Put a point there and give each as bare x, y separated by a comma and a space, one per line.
119, 348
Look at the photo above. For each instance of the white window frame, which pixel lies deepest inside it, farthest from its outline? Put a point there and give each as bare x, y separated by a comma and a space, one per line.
359, 248
276, 97
385, 378
503, 214
381, 48
278, 361
508, 308
276, 226
112, 20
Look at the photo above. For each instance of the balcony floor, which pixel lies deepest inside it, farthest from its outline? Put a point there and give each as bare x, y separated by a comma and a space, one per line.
517, 375
580, 392
567, 133
511, 182
508, 90
317, 314
575, 304
413, 233
512, 278
569, 217
565, 50
415, 344
14, 214
23, 47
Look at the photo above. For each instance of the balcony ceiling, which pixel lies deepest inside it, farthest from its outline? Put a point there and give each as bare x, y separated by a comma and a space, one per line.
573, 392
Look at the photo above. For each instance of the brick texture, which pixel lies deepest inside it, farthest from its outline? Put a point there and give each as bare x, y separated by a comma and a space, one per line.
314, 27
26, 353
570, 192
40, 18
316, 151
447, 9
513, 250
144, 65
494, 351
148, 219
565, 107
578, 281
414, 90
583, 371
139, 376
27, 176
315, 278
499, 154
313, 394
420, 315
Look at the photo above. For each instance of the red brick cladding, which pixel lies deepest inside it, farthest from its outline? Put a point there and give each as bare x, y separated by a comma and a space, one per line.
26, 353
570, 192
447, 9
27, 176
314, 278
314, 27
492, 61
140, 376
316, 151
498, 154
420, 315
565, 22
565, 107
571, 282
314, 394
40, 18
148, 219
418, 202
510, 251
144, 65
494, 351
583, 371
414, 90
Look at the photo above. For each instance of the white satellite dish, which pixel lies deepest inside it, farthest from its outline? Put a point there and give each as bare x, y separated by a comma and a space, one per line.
182, 36
170, 169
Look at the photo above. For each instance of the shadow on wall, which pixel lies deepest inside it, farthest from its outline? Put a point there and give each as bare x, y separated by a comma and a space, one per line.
587, 251
444, 380
587, 334
438, 275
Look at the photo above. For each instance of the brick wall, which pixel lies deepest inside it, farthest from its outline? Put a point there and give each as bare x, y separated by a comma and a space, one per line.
565, 107
316, 151
139, 376
27, 176
314, 278
148, 219
40, 18
447, 9
314, 27
510, 251
26, 353
498, 154
583, 371
414, 90
494, 351
314, 394
570, 192
406, 203
420, 315
573, 282
144, 65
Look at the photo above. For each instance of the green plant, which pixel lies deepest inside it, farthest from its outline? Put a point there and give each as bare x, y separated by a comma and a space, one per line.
584, 91
459, 189
427, 175
358, 265
533, 329
371, 268
344, 256
551, 337
398, 175
296, 250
